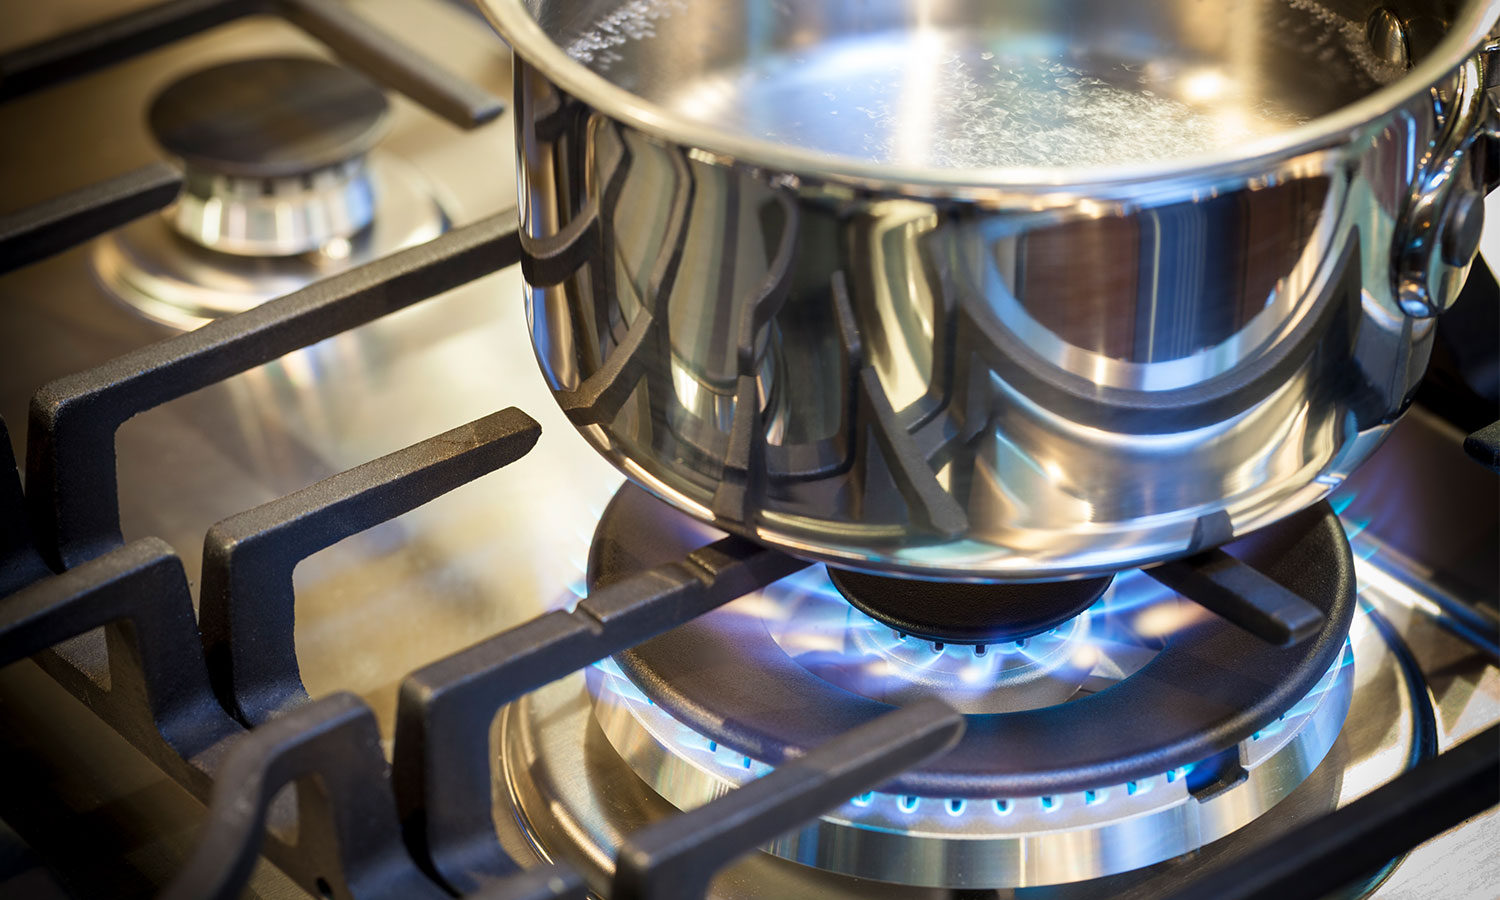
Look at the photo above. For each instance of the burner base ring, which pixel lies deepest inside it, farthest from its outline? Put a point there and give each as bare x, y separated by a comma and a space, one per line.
565, 792
995, 843
148, 266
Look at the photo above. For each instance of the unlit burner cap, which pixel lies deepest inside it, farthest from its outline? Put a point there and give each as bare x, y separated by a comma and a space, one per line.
269, 117
273, 152
956, 613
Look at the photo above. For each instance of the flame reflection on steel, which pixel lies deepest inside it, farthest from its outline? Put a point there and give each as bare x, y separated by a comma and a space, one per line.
814, 625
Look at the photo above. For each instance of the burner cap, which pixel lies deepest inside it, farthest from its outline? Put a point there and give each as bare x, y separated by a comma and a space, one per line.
272, 117
957, 613
274, 154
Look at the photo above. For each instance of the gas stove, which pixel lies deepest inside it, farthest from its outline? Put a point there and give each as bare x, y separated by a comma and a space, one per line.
289, 609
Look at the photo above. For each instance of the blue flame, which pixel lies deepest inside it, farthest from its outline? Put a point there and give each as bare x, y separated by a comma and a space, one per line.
814, 624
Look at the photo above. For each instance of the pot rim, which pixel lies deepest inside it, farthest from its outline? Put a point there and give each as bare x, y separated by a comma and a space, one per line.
526, 38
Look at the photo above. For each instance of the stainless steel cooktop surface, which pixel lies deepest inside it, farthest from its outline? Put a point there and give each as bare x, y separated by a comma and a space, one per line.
515, 543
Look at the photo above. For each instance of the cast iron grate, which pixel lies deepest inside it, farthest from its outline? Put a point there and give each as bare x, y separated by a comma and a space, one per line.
164, 695
52, 227
234, 727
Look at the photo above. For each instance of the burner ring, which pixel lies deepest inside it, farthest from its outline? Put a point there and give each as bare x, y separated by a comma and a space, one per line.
994, 843
1211, 687
958, 613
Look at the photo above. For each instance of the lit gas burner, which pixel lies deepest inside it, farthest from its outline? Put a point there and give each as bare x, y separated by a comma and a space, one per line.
813, 625
996, 842
1139, 729
283, 185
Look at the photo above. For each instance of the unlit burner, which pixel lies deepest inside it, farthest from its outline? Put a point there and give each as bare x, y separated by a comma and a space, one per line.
282, 186
273, 152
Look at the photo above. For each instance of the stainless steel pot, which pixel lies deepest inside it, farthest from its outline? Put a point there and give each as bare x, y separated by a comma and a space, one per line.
980, 290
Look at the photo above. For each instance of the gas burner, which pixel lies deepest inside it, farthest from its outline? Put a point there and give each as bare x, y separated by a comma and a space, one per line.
578, 797
995, 842
282, 186
1141, 715
946, 612
274, 153
813, 625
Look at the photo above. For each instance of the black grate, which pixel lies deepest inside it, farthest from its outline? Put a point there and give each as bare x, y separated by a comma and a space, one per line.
189, 710
52, 227
70, 459
1319, 857
226, 715
55, 226
165, 696
380, 55
246, 606
1484, 446
442, 725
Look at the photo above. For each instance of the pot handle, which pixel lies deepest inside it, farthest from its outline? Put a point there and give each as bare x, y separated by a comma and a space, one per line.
1438, 235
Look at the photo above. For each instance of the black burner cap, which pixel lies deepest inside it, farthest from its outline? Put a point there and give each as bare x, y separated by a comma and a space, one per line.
956, 613
269, 117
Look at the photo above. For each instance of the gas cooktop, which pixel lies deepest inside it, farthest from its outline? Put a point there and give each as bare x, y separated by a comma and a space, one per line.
307, 616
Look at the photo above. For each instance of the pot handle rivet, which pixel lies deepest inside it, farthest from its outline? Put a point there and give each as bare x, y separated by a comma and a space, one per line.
1463, 224
1387, 36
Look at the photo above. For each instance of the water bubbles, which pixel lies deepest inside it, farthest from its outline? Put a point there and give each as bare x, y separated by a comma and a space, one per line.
1020, 112
632, 21
1335, 30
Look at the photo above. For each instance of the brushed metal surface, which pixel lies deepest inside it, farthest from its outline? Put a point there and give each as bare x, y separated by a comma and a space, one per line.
182, 284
